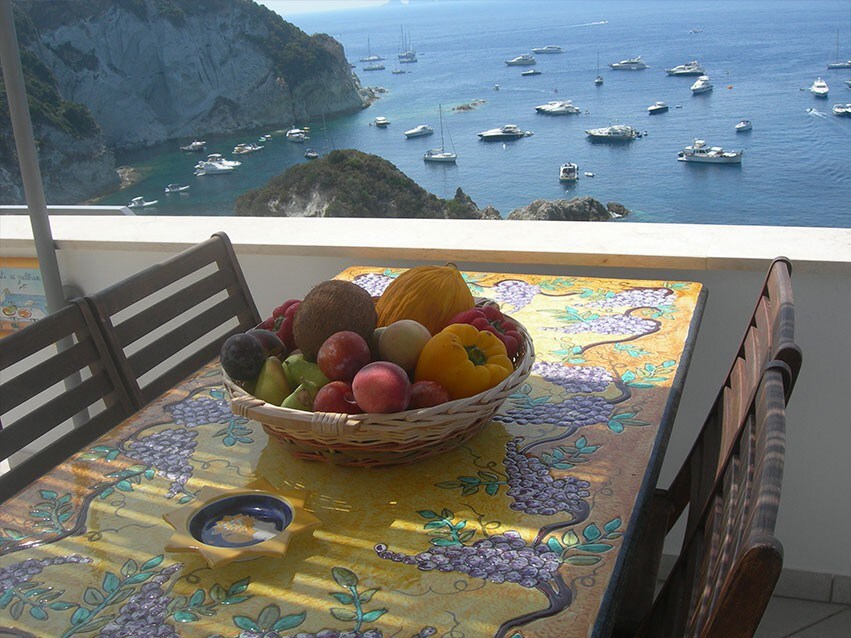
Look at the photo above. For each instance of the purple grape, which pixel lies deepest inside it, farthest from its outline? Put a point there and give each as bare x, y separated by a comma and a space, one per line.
516, 293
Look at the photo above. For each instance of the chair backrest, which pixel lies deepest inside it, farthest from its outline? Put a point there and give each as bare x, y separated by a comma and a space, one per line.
168, 320
36, 400
770, 335
730, 561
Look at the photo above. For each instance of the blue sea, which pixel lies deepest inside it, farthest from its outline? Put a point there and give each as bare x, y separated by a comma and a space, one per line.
762, 57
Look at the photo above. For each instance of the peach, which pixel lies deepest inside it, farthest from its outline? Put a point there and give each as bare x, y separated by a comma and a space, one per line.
342, 354
382, 386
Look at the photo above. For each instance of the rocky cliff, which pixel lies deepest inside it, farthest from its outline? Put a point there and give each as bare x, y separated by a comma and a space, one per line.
578, 209
153, 70
349, 183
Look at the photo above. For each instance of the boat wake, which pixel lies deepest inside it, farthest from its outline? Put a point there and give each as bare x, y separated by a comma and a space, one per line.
813, 112
564, 26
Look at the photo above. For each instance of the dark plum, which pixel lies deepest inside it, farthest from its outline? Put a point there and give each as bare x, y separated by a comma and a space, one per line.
270, 342
242, 357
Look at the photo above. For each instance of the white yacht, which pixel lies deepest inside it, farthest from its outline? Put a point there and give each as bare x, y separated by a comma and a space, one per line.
525, 59
615, 133
419, 131
212, 168
298, 135
176, 188
381, 122
701, 153
568, 172
820, 88
702, 85
842, 110
139, 202
504, 133
630, 64
217, 158
531, 72
377, 66
550, 48
658, 107
558, 107
311, 154
743, 125
194, 146
848, 83
689, 68
242, 149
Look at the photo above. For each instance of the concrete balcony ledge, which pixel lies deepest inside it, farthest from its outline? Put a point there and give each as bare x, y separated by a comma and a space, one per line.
624, 245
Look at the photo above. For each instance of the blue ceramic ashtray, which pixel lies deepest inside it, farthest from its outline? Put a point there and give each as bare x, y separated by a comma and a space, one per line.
225, 525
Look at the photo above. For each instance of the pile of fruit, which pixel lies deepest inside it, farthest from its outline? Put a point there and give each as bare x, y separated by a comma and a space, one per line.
422, 343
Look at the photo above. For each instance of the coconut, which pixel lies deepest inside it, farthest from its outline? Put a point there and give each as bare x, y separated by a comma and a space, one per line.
332, 306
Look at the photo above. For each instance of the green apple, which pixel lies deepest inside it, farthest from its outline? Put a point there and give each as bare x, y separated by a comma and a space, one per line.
298, 370
272, 385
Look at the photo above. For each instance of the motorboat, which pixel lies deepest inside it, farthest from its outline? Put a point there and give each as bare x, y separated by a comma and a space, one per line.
743, 125
195, 146
702, 85
376, 66
212, 168
311, 154
419, 131
689, 68
568, 172
176, 188
526, 59
217, 158
701, 153
398, 71
615, 133
531, 72
550, 48
658, 107
298, 135
820, 88
381, 122
440, 155
558, 107
265, 138
139, 202
842, 110
242, 149
504, 133
589, 174
630, 64
848, 83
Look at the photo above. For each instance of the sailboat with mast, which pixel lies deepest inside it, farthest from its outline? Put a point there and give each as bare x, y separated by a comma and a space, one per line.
407, 55
441, 155
599, 79
370, 57
839, 64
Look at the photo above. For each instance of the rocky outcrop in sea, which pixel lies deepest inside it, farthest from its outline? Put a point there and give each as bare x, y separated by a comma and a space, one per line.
578, 209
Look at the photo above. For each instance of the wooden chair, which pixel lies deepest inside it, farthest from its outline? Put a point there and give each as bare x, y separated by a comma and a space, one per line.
34, 364
165, 322
768, 343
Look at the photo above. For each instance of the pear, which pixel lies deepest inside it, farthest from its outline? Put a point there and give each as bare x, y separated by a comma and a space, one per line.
302, 397
298, 370
272, 385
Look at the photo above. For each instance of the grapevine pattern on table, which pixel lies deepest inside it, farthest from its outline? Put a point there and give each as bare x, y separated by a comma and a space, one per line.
535, 478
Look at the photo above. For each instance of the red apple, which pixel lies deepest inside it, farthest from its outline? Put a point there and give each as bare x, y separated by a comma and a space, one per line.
425, 394
336, 396
401, 343
382, 386
342, 354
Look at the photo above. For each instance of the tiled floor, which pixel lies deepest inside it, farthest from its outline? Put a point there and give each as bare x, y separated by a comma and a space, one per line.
794, 618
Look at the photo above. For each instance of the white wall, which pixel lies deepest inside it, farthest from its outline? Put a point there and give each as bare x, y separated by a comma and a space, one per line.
282, 258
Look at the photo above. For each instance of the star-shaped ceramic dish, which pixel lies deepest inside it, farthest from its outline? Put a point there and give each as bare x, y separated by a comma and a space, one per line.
225, 525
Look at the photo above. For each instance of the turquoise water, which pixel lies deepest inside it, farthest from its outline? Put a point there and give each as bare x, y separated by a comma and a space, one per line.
762, 57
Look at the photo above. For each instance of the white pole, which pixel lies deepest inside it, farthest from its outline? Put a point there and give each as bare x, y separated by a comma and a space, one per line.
22, 130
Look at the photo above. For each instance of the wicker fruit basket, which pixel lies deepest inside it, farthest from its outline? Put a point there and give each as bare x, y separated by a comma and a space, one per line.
374, 440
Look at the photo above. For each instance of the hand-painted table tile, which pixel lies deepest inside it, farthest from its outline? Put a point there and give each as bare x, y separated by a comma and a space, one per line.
516, 533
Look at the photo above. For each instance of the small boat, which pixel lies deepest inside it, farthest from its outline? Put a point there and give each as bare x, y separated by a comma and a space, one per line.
242, 149
298, 135
744, 125
419, 131
589, 174
568, 172
820, 88
398, 71
195, 146
630, 64
374, 67
531, 72
689, 68
842, 110
839, 64
702, 85
440, 155
550, 48
701, 153
139, 202
381, 122
503, 133
615, 133
599, 79
658, 107
311, 154
264, 138
176, 188
525, 59
558, 107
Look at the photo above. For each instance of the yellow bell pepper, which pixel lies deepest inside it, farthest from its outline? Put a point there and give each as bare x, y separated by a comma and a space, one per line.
464, 360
